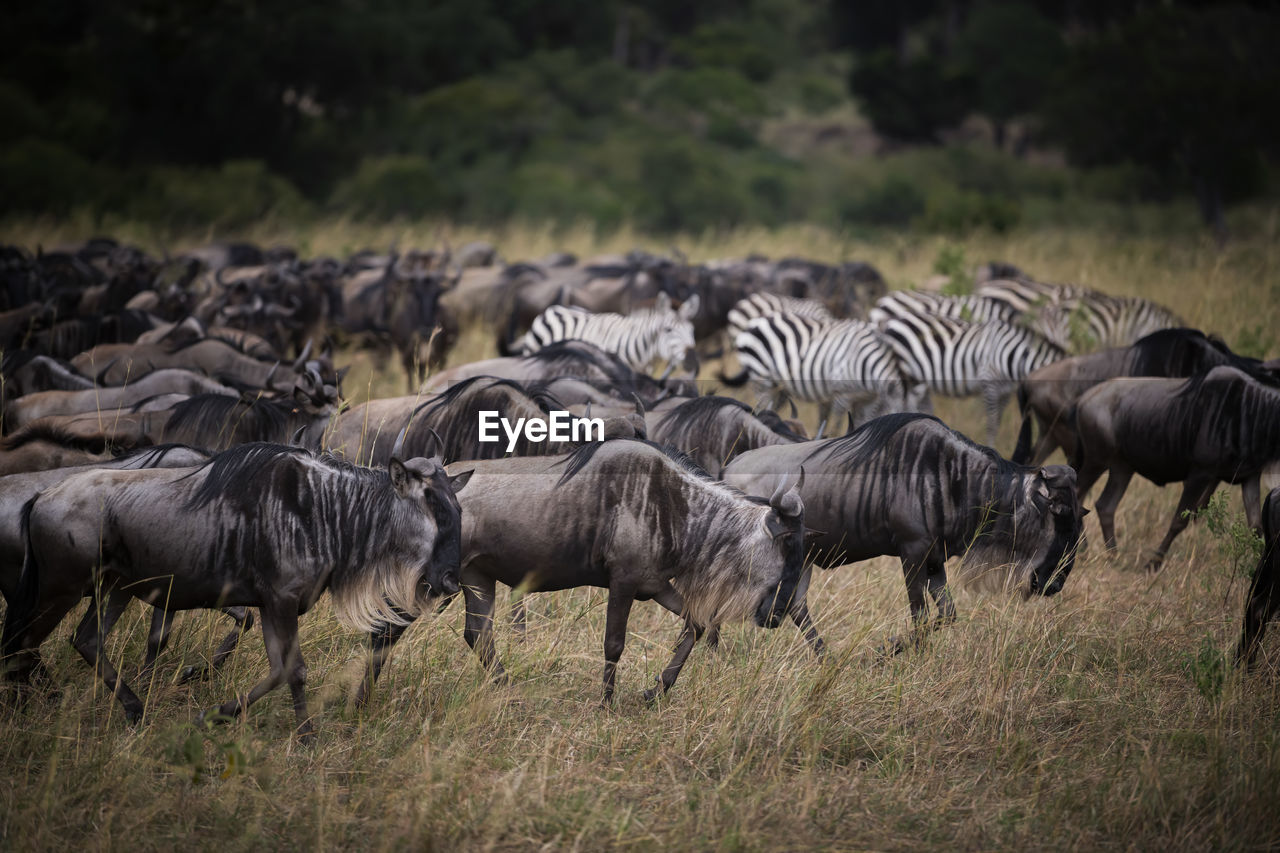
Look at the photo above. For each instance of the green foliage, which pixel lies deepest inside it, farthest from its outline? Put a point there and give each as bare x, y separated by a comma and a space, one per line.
1237, 541
190, 743
728, 44
894, 201
1207, 670
38, 175
386, 187
237, 193
1012, 52
961, 211
911, 100
951, 262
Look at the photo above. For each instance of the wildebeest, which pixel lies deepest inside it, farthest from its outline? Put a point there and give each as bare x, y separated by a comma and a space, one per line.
715, 430
1047, 395
907, 485
109, 399
637, 519
1264, 591
571, 358
42, 446
1222, 425
17, 489
447, 424
261, 525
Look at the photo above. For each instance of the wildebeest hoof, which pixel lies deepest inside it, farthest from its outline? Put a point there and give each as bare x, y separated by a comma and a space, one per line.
893, 646
133, 716
651, 695
193, 673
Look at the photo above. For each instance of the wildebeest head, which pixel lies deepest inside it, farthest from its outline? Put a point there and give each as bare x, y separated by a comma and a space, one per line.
1039, 541
425, 483
785, 524
676, 342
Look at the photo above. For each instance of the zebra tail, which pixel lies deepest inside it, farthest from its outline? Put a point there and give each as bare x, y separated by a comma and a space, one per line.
23, 604
735, 381
1022, 450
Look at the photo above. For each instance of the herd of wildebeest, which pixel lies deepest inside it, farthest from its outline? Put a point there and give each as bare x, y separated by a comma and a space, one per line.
175, 431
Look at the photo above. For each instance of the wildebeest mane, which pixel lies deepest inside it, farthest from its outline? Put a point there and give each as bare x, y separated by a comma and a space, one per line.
238, 474
581, 456
701, 412
452, 416
1185, 352
260, 420
572, 353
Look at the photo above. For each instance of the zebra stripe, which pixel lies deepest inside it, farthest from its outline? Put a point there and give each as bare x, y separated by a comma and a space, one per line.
959, 359
1088, 318
971, 308
766, 304
841, 365
639, 339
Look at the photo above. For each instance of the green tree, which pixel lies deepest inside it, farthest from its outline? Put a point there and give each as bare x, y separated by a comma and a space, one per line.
1012, 53
1187, 93
910, 100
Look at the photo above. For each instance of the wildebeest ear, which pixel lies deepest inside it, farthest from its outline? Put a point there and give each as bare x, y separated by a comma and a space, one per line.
341, 374
399, 476
459, 481
663, 303
689, 309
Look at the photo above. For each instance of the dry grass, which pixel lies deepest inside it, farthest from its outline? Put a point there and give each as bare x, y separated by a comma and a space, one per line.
1074, 722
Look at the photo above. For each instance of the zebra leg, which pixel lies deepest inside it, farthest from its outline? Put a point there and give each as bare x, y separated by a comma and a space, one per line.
994, 398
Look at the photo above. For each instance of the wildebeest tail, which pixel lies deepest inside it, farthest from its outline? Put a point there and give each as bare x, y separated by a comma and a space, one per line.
1022, 450
23, 603
735, 381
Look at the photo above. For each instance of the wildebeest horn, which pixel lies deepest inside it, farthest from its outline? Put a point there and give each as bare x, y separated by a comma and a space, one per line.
439, 445
302, 359
786, 498
398, 447
639, 404
218, 276
587, 413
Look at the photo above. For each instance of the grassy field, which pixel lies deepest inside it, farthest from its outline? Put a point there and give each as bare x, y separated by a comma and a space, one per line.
1106, 717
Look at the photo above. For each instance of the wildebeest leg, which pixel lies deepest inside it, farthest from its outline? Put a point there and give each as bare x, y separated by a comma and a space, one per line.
1251, 493
689, 635
1195, 496
1109, 500
381, 639
91, 636
280, 635
1046, 445
941, 594
917, 569
23, 650
615, 633
519, 617
799, 612
157, 639
478, 632
1262, 604
243, 617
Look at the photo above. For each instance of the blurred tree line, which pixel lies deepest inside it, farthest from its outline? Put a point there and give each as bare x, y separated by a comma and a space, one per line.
658, 112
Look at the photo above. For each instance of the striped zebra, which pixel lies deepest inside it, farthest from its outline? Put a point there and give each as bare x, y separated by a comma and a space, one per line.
639, 339
1049, 320
766, 304
1083, 319
959, 359
845, 366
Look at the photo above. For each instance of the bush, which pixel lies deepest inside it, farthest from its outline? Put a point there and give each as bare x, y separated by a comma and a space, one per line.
961, 211
238, 193
391, 186
37, 175
894, 201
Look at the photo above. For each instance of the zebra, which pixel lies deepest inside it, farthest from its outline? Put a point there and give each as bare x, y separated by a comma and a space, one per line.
1080, 316
959, 359
639, 339
765, 304
842, 366
1048, 320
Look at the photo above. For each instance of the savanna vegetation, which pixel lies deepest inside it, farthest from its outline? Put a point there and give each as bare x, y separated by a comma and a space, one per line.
1106, 717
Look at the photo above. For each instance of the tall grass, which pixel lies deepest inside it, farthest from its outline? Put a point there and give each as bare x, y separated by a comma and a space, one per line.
1093, 719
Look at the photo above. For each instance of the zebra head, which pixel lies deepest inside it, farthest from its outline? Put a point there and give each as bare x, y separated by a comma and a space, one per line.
675, 343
